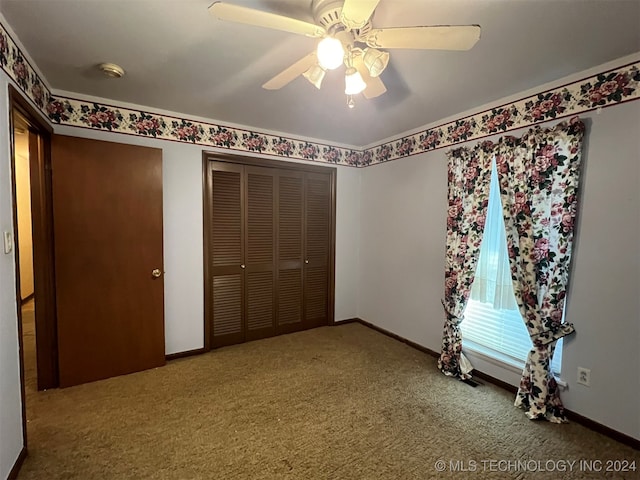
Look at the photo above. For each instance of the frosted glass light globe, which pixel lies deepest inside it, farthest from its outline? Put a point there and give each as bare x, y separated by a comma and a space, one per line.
375, 61
330, 53
353, 82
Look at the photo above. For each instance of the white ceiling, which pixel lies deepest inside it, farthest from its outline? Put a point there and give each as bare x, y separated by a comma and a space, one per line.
179, 58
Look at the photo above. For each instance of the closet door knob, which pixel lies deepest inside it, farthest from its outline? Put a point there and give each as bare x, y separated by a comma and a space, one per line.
306, 261
242, 266
156, 273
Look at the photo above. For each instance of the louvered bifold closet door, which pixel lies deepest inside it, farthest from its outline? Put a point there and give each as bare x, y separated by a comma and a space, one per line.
227, 253
260, 245
290, 250
317, 249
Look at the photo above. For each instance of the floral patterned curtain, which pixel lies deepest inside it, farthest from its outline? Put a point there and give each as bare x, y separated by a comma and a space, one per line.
469, 175
539, 176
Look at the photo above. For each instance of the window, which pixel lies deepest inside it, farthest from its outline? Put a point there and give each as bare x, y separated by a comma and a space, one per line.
492, 322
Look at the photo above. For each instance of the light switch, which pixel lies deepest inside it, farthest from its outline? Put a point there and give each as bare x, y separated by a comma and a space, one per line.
8, 242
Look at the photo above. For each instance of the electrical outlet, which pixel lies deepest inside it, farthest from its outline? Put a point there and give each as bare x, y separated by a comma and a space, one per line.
584, 376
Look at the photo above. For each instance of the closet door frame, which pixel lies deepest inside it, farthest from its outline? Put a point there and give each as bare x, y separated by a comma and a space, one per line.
207, 157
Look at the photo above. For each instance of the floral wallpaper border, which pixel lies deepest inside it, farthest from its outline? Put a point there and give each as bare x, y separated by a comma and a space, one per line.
15, 64
79, 113
605, 89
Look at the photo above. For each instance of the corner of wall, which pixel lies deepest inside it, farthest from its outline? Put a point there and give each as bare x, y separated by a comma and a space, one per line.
11, 438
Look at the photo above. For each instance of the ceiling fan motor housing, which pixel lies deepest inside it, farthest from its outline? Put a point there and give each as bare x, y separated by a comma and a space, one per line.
327, 14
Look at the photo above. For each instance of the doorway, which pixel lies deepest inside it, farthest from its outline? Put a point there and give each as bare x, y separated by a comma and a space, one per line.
24, 241
33, 232
30, 138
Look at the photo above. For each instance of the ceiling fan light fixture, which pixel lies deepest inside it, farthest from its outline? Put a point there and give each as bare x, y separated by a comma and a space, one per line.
315, 74
330, 53
375, 61
353, 82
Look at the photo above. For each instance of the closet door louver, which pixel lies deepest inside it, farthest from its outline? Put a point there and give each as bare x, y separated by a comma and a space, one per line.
260, 253
227, 253
317, 243
290, 250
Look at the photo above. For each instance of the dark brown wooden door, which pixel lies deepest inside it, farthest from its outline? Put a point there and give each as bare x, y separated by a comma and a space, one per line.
290, 250
107, 209
260, 242
227, 253
43, 262
317, 241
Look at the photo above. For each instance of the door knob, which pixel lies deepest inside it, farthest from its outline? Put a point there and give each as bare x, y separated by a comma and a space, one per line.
156, 273
241, 266
306, 261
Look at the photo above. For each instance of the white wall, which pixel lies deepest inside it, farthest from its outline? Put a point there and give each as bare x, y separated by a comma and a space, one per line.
403, 210
10, 402
183, 251
347, 242
403, 205
604, 295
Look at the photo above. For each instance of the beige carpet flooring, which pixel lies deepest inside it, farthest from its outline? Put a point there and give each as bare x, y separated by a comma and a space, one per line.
340, 402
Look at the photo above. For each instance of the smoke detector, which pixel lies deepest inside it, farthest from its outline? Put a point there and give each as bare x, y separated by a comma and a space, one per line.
111, 70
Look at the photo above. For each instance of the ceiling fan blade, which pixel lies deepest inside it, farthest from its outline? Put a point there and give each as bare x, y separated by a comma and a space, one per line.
290, 73
249, 16
440, 37
375, 86
356, 13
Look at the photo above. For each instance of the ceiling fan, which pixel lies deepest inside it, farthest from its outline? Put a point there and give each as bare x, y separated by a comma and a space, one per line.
348, 38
